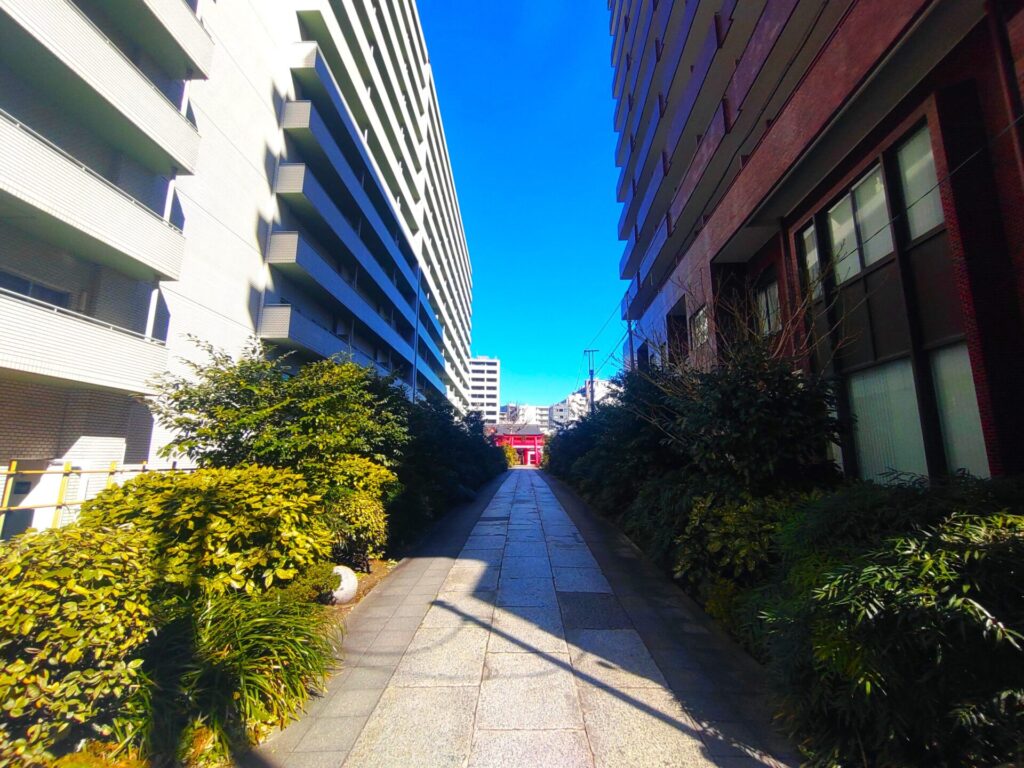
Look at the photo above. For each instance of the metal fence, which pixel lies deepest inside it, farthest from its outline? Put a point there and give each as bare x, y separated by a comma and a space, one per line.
34, 490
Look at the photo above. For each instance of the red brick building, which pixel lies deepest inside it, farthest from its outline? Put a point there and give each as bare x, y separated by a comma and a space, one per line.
858, 166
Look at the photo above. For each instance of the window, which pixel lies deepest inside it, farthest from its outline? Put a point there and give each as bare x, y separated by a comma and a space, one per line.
859, 226
766, 299
699, 334
887, 427
958, 411
27, 287
920, 184
812, 265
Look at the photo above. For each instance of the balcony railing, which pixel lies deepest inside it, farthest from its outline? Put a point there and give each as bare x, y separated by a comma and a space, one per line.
105, 222
46, 340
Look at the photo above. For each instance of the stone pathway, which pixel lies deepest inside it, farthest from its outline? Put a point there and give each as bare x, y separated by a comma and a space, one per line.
506, 643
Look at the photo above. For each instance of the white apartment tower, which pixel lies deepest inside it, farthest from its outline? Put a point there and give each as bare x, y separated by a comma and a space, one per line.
223, 170
485, 387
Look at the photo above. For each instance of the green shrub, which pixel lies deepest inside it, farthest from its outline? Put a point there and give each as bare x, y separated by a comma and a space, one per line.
232, 669
898, 641
75, 617
313, 585
100, 755
363, 528
220, 530
511, 455
729, 539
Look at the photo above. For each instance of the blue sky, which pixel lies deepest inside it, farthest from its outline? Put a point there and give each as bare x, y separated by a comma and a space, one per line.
525, 93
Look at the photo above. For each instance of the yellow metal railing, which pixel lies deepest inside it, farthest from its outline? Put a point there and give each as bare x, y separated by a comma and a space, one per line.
115, 473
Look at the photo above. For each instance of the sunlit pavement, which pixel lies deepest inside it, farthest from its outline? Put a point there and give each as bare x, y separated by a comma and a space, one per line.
524, 634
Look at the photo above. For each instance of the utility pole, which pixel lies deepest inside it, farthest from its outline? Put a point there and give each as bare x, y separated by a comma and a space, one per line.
590, 386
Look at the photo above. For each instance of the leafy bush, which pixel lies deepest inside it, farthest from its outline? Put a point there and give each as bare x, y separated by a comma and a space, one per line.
313, 585
232, 669
896, 627
219, 530
729, 538
363, 528
254, 410
100, 755
76, 616
511, 455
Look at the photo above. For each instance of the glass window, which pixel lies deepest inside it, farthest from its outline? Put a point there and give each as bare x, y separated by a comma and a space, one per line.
15, 283
811, 262
699, 327
844, 240
51, 296
920, 184
873, 218
769, 319
958, 411
887, 429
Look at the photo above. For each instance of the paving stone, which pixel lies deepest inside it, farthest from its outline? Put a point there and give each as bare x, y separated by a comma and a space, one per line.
454, 608
350, 703
295, 760
535, 749
393, 639
580, 580
487, 556
471, 578
527, 629
526, 592
358, 641
417, 727
528, 691
331, 734
616, 658
526, 567
363, 678
516, 548
576, 556
411, 622
443, 656
485, 542
415, 607
640, 727
592, 610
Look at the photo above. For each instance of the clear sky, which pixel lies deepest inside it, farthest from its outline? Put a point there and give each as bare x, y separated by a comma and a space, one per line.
525, 93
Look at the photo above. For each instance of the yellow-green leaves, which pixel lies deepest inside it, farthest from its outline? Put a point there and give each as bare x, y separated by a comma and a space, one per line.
75, 612
221, 530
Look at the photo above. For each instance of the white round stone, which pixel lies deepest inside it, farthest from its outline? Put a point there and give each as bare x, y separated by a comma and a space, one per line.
346, 591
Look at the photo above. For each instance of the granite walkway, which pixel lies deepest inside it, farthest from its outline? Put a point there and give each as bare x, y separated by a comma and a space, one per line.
519, 638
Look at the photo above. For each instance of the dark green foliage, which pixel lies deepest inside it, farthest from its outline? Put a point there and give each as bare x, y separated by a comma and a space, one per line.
446, 460
76, 616
895, 627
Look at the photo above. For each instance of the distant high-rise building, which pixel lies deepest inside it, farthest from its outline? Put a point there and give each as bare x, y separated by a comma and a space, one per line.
485, 387
577, 404
226, 170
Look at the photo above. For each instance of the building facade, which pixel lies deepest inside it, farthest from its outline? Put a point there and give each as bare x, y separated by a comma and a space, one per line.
273, 169
485, 387
856, 169
523, 413
576, 405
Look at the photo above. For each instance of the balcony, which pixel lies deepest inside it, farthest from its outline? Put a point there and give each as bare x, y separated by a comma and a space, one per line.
43, 340
167, 30
295, 257
50, 194
284, 326
55, 47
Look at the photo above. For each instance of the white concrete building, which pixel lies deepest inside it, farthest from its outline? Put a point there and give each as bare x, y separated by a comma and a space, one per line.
523, 413
577, 405
273, 168
485, 387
